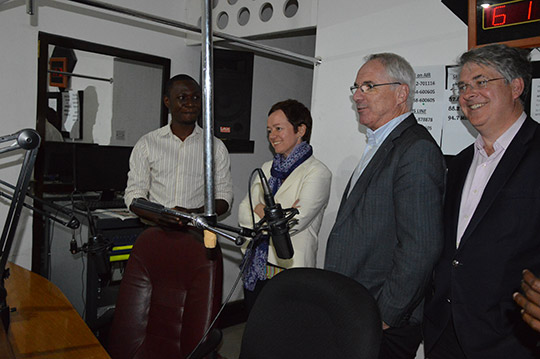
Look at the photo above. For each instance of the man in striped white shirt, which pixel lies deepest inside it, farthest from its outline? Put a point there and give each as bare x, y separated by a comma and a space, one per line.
166, 165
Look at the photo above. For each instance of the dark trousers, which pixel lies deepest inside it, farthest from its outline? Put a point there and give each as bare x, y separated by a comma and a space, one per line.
447, 347
401, 343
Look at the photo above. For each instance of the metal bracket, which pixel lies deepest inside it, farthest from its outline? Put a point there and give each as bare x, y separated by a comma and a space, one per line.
30, 7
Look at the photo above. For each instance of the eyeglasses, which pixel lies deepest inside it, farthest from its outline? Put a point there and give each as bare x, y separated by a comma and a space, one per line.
368, 86
481, 83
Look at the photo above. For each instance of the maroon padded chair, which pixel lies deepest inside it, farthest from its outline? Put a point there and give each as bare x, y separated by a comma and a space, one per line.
170, 293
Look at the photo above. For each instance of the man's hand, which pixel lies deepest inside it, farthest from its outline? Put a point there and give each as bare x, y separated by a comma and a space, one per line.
385, 326
163, 220
185, 221
530, 300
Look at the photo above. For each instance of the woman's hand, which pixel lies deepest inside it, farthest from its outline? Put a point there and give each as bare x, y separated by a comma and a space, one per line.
259, 210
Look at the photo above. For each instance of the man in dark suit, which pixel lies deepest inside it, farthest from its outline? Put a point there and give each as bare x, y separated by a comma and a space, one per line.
491, 216
388, 230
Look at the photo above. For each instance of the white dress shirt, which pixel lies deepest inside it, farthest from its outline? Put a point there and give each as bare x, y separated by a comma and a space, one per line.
169, 171
482, 167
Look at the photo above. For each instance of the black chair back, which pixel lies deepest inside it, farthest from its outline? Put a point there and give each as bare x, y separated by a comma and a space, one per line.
312, 313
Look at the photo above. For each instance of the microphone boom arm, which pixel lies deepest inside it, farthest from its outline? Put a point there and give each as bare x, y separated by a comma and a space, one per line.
195, 220
73, 223
29, 140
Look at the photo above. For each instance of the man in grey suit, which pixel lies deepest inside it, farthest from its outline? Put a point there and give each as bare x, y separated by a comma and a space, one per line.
388, 230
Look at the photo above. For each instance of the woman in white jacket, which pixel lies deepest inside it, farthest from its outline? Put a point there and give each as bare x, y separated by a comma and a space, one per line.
297, 179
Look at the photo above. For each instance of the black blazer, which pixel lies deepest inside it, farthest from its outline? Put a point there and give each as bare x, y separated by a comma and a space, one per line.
474, 284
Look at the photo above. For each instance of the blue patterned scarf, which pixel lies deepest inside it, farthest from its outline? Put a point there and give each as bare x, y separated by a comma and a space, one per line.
282, 167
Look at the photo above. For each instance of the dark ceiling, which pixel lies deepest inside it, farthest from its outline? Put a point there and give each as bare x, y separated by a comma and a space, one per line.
458, 7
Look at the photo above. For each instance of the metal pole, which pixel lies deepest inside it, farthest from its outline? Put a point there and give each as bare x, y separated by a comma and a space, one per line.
79, 75
246, 44
207, 110
237, 40
30, 7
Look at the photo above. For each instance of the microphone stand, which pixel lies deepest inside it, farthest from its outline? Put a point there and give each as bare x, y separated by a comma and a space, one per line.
73, 222
29, 140
195, 220
203, 222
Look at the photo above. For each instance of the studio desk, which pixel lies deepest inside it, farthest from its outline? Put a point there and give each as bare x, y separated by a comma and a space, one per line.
44, 324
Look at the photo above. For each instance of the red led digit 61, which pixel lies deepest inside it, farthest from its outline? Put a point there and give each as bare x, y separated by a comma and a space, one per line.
511, 13
499, 17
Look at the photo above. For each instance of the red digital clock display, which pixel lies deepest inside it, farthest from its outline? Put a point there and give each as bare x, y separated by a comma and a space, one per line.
510, 13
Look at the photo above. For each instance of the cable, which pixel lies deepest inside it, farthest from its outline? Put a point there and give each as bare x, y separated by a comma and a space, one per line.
91, 224
49, 246
83, 272
50, 242
49, 254
228, 298
249, 196
83, 282
251, 252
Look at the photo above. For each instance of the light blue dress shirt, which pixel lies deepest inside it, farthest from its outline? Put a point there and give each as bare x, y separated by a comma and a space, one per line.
374, 141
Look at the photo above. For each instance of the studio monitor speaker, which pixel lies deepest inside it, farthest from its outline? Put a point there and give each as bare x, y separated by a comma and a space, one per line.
233, 81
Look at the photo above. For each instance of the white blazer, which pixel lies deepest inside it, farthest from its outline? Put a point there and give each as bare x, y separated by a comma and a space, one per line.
310, 184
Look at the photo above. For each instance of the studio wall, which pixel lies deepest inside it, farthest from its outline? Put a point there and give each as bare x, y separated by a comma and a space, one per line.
19, 43
273, 81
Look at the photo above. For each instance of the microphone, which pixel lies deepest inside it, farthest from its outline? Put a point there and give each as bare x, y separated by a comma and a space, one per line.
278, 226
195, 220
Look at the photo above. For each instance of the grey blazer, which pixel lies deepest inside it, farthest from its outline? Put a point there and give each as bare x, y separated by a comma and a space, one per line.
388, 233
